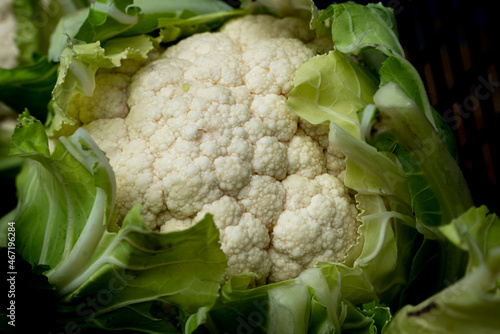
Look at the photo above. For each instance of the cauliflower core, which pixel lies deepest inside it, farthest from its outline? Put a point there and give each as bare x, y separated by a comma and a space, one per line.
205, 128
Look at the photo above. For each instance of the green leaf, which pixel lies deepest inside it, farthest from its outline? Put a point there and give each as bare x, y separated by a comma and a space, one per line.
135, 318
107, 19
470, 304
369, 171
9, 166
435, 266
398, 69
438, 189
382, 256
66, 28
297, 8
386, 250
241, 306
371, 33
128, 265
35, 81
29, 138
30, 37
59, 193
65, 221
332, 88
36, 20
314, 302
367, 319
356, 28
476, 231
446, 133
188, 23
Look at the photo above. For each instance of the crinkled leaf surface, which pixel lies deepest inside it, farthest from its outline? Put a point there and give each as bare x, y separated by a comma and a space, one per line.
107, 19
57, 191
438, 189
471, 304
355, 27
332, 87
36, 21
64, 220
35, 80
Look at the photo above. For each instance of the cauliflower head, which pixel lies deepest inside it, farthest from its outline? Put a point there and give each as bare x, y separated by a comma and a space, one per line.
205, 128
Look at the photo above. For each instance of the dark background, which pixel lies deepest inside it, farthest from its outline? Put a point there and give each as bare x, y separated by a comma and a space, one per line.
453, 44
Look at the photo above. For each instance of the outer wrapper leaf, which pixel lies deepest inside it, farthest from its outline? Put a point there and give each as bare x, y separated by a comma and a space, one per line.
439, 191
35, 80
133, 278
476, 231
355, 27
137, 271
382, 255
298, 8
471, 304
399, 70
315, 302
57, 191
36, 20
107, 19
333, 88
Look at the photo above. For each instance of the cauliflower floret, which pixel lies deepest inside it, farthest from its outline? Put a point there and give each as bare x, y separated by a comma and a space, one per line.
269, 158
218, 67
232, 172
187, 183
200, 44
135, 179
280, 121
273, 63
305, 156
263, 197
111, 134
110, 92
244, 239
245, 247
335, 159
250, 29
111, 95
318, 224
335, 162
151, 81
174, 224
318, 132
206, 129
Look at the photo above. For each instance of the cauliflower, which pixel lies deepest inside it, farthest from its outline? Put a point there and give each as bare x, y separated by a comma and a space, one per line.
205, 128
8, 26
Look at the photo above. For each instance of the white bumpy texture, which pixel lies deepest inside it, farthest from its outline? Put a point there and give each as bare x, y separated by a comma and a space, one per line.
205, 128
